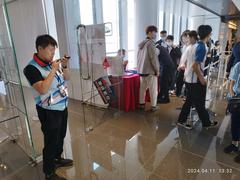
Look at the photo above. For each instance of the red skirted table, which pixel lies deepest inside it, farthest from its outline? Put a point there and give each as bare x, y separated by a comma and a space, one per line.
131, 88
126, 92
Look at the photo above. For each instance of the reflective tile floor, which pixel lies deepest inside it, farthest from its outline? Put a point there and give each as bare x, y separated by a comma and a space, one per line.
133, 146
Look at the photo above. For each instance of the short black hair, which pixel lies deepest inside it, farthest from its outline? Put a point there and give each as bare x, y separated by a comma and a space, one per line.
204, 31
163, 32
122, 51
151, 29
193, 34
45, 40
170, 37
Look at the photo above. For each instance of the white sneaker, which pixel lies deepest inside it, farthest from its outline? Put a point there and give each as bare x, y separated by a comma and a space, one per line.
186, 126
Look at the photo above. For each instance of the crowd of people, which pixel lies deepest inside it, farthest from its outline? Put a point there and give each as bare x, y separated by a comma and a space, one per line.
161, 63
164, 69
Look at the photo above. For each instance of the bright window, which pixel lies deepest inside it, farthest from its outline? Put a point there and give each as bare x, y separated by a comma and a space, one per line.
131, 34
86, 12
111, 14
167, 22
160, 21
131, 23
170, 30
176, 29
184, 23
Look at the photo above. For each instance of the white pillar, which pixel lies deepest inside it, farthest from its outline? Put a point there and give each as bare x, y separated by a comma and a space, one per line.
223, 36
146, 13
122, 24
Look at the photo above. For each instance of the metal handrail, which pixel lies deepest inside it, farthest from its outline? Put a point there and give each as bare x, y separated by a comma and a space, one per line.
79, 53
11, 118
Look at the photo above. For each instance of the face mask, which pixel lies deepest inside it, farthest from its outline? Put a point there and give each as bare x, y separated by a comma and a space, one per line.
163, 38
169, 43
154, 36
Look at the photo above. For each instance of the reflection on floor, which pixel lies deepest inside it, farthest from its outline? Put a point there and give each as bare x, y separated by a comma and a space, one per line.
134, 146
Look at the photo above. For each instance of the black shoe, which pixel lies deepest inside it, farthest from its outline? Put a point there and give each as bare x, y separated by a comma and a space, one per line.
186, 126
142, 107
211, 125
237, 159
231, 148
54, 176
154, 108
63, 163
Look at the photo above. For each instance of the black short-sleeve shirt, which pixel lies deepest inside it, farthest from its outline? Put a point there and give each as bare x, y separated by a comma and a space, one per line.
32, 74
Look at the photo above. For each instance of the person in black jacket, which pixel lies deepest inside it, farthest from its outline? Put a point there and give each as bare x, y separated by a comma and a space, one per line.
166, 69
163, 36
175, 54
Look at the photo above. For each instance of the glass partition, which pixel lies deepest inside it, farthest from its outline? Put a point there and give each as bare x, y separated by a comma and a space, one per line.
14, 118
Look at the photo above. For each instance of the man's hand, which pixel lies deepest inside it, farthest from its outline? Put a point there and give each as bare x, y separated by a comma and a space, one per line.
64, 61
182, 67
157, 74
203, 81
55, 65
227, 75
66, 73
232, 93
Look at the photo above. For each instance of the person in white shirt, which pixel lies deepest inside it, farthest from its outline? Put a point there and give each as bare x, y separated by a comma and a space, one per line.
195, 82
123, 54
181, 68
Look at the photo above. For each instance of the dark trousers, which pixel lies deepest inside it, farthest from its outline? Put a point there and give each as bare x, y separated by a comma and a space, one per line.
54, 126
179, 82
164, 87
235, 126
196, 94
173, 80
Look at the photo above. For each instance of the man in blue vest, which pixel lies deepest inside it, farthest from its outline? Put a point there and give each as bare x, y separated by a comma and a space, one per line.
48, 79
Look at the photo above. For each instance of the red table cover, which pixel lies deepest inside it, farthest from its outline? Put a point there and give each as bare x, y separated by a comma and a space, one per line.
127, 91
131, 88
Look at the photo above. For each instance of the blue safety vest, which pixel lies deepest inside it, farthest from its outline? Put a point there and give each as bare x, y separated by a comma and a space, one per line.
57, 96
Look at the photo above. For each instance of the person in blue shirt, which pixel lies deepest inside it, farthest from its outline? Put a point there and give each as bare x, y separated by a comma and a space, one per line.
235, 56
235, 51
197, 87
234, 91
